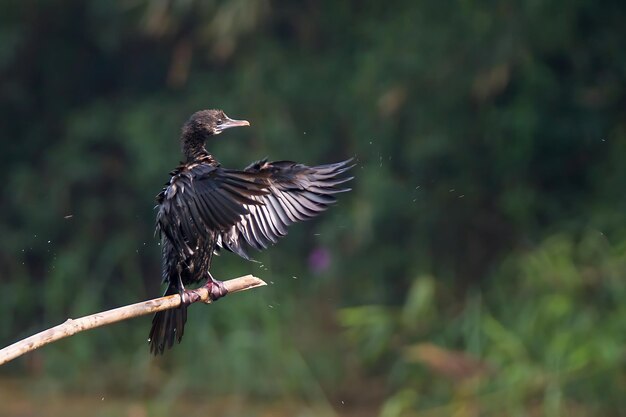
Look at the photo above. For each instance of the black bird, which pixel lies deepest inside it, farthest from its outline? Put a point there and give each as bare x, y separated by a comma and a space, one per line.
204, 208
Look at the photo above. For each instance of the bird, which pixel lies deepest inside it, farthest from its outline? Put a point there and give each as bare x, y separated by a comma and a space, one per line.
205, 208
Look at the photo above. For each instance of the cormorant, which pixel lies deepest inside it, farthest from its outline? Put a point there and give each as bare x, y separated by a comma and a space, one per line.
204, 208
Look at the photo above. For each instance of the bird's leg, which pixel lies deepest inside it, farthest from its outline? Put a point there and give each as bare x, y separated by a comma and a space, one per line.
187, 297
216, 288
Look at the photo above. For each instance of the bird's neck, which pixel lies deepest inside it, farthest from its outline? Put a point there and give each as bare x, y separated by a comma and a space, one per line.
193, 146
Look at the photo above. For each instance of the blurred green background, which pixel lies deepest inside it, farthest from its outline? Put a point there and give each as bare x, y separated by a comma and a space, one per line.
476, 269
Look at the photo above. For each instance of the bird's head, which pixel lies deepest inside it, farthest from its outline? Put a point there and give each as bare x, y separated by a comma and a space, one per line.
202, 125
207, 123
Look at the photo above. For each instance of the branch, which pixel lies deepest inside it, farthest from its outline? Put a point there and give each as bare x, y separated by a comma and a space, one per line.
71, 327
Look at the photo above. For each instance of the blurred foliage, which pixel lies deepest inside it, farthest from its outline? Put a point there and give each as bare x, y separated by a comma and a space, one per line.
477, 265
551, 346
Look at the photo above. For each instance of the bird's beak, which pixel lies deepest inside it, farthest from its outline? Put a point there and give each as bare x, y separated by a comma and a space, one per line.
228, 123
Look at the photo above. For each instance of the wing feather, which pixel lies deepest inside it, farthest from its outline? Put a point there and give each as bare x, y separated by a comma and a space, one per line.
243, 209
293, 193
203, 200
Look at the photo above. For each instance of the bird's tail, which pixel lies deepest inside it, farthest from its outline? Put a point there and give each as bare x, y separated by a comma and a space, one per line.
167, 325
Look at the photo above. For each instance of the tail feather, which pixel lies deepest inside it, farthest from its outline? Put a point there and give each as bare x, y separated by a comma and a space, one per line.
167, 326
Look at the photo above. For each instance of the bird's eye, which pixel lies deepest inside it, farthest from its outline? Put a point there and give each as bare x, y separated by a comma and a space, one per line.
219, 122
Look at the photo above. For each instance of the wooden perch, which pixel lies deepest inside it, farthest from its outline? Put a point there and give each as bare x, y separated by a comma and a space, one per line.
73, 326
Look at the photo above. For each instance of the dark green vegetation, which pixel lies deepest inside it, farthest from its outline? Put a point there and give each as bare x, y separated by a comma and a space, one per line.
477, 268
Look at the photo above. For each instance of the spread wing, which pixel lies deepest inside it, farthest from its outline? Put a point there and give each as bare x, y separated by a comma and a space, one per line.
202, 200
293, 193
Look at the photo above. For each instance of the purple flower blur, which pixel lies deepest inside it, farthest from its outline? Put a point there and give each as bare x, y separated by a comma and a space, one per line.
319, 259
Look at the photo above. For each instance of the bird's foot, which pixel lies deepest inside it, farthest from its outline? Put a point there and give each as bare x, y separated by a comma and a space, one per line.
189, 297
216, 289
